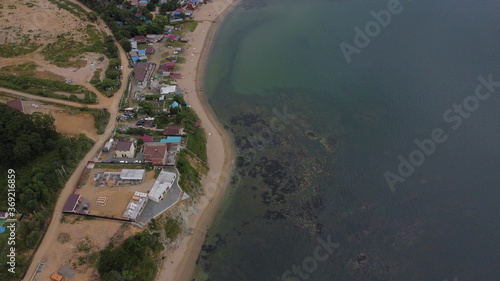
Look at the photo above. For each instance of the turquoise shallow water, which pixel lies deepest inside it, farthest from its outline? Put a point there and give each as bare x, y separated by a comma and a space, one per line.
315, 135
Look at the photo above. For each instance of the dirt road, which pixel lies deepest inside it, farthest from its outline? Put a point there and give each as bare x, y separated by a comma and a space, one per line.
112, 105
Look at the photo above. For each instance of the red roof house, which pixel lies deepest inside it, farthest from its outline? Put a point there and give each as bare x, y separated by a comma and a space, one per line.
172, 131
149, 50
16, 104
146, 138
156, 153
173, 37
170, 65
140, 39
70, 205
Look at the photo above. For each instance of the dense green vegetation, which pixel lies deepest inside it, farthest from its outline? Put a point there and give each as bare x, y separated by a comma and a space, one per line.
136, 259
43, 160
172, 229
22, 78
101, 119
189, 180
141, 132
197, 139
17, 49
114, 11
169, 6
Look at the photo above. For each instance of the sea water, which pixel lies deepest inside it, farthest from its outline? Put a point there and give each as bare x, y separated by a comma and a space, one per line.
376, 163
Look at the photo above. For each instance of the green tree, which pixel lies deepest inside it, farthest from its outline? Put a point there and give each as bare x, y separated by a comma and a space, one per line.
169, 6
114, 62
126, 45
92, 16
113, 74
107, 83
146, 108
151, 6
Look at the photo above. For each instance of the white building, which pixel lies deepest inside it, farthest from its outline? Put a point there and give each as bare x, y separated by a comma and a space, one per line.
135, 206
125, 149
162, 184
168, 90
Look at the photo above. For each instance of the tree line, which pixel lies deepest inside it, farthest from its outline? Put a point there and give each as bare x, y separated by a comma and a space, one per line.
113, 11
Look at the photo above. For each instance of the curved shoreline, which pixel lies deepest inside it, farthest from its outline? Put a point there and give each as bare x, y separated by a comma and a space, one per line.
181, 263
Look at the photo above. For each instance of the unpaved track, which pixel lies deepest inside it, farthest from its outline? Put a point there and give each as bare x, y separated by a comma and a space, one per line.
112, 105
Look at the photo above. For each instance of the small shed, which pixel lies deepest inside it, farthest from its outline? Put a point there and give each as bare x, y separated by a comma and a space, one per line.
56, 277
70, 205
107, 146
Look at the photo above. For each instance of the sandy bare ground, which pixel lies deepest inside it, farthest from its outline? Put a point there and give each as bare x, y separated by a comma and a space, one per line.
67, 123
38, 20
180, 265
118, 196
78, 235
41, 22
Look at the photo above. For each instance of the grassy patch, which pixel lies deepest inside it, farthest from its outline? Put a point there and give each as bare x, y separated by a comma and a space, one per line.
175, 44
96, 78
172, 229
66, 51
22, 77
63, 237
157, 172
16, 49
72, 8
84, 246
189, 180
181, 59
190, 26
101, 119
46, 88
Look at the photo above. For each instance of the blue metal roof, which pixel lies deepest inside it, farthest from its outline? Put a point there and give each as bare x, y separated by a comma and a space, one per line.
172, 140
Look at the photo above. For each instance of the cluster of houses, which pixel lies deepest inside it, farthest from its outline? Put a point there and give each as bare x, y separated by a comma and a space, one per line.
189, 3
157, 153
139, 55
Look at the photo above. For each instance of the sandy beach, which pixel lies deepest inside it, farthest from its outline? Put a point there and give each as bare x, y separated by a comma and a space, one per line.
180, 265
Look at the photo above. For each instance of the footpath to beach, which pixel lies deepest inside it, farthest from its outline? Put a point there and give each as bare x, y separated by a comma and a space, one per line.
180, 265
